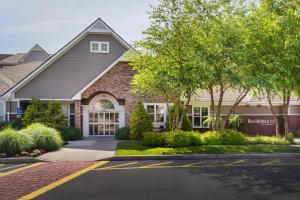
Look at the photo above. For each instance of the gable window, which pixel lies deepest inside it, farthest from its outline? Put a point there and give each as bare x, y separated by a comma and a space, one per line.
157, 112
200, 113
99, 47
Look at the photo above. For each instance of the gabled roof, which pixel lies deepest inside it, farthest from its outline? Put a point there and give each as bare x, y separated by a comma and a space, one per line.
97, 27
12, 60
36, 47
10, 75
2, 56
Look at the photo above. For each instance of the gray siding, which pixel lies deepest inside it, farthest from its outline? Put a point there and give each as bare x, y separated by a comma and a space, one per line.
74, 70
35, 56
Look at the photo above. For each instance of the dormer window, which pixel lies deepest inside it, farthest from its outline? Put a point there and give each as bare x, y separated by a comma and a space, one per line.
99, 47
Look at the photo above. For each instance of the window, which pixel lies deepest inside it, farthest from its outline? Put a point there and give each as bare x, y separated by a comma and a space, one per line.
156, 112
1, 111
11, 107
104, 104
99, 47
199, 115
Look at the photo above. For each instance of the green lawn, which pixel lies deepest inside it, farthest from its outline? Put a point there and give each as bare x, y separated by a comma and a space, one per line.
137, 148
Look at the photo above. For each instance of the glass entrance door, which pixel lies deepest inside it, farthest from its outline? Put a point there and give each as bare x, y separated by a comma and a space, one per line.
103, 123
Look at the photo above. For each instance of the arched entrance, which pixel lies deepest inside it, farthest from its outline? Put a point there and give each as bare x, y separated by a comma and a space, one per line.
102, 116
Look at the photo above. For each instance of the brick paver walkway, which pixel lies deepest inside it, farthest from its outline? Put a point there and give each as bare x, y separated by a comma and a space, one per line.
19, 184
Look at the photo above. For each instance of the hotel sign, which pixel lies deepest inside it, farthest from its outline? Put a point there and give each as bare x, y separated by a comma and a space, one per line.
263, 122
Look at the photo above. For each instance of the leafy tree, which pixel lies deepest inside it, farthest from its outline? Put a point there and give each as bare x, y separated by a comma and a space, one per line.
140, 122
165, 60
34, 112
274, 28
221, 38
54, 116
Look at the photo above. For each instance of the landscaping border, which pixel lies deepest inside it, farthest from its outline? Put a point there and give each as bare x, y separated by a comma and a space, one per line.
204, 156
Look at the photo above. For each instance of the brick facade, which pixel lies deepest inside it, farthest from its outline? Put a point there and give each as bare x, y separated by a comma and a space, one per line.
117, 83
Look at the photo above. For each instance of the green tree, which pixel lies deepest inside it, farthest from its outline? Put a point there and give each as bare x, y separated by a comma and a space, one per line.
140, 122
220, 39
54, 116
166, 59
34, 112
274, 28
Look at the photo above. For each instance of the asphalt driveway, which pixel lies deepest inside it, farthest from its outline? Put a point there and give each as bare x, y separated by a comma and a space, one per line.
207, 179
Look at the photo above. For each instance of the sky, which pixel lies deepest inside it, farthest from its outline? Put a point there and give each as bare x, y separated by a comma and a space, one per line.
53, 23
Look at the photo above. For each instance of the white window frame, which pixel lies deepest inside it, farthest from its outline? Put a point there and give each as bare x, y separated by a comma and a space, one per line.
201, 119
99, 43
165, 105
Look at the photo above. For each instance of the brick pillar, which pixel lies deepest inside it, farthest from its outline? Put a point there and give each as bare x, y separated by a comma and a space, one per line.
78, 114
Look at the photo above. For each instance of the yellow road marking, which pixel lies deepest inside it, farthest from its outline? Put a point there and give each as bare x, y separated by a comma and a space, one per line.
156, 165
236, 162
61, 181
12, 167
126, 164
192, 164
19, 169
276, 161
204, 166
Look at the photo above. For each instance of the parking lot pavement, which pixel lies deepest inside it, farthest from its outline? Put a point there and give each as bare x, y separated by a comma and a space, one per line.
7, 169
174, 179
16, 181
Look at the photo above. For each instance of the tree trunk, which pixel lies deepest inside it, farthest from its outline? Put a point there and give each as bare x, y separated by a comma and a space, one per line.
236, 103
218, 112
286, 104
185, 110
212, 103
274, 114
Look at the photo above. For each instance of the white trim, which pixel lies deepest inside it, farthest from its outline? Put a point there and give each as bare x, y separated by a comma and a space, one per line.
63, 50
99, 43
29, 99
77, 96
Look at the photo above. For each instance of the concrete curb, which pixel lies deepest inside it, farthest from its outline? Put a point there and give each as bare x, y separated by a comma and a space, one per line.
21, 160
204, 156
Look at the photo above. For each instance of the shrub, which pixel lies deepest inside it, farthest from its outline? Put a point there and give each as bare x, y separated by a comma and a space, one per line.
15, 124
236, 122
211, 138
172, 117
71, 133
155, 139
186, 124
13, 142
232, 137
34, 112
266, 140
223, 137
182, 139
290, 138
44, 137
122, 133
140, 122
297, 133
54, 116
